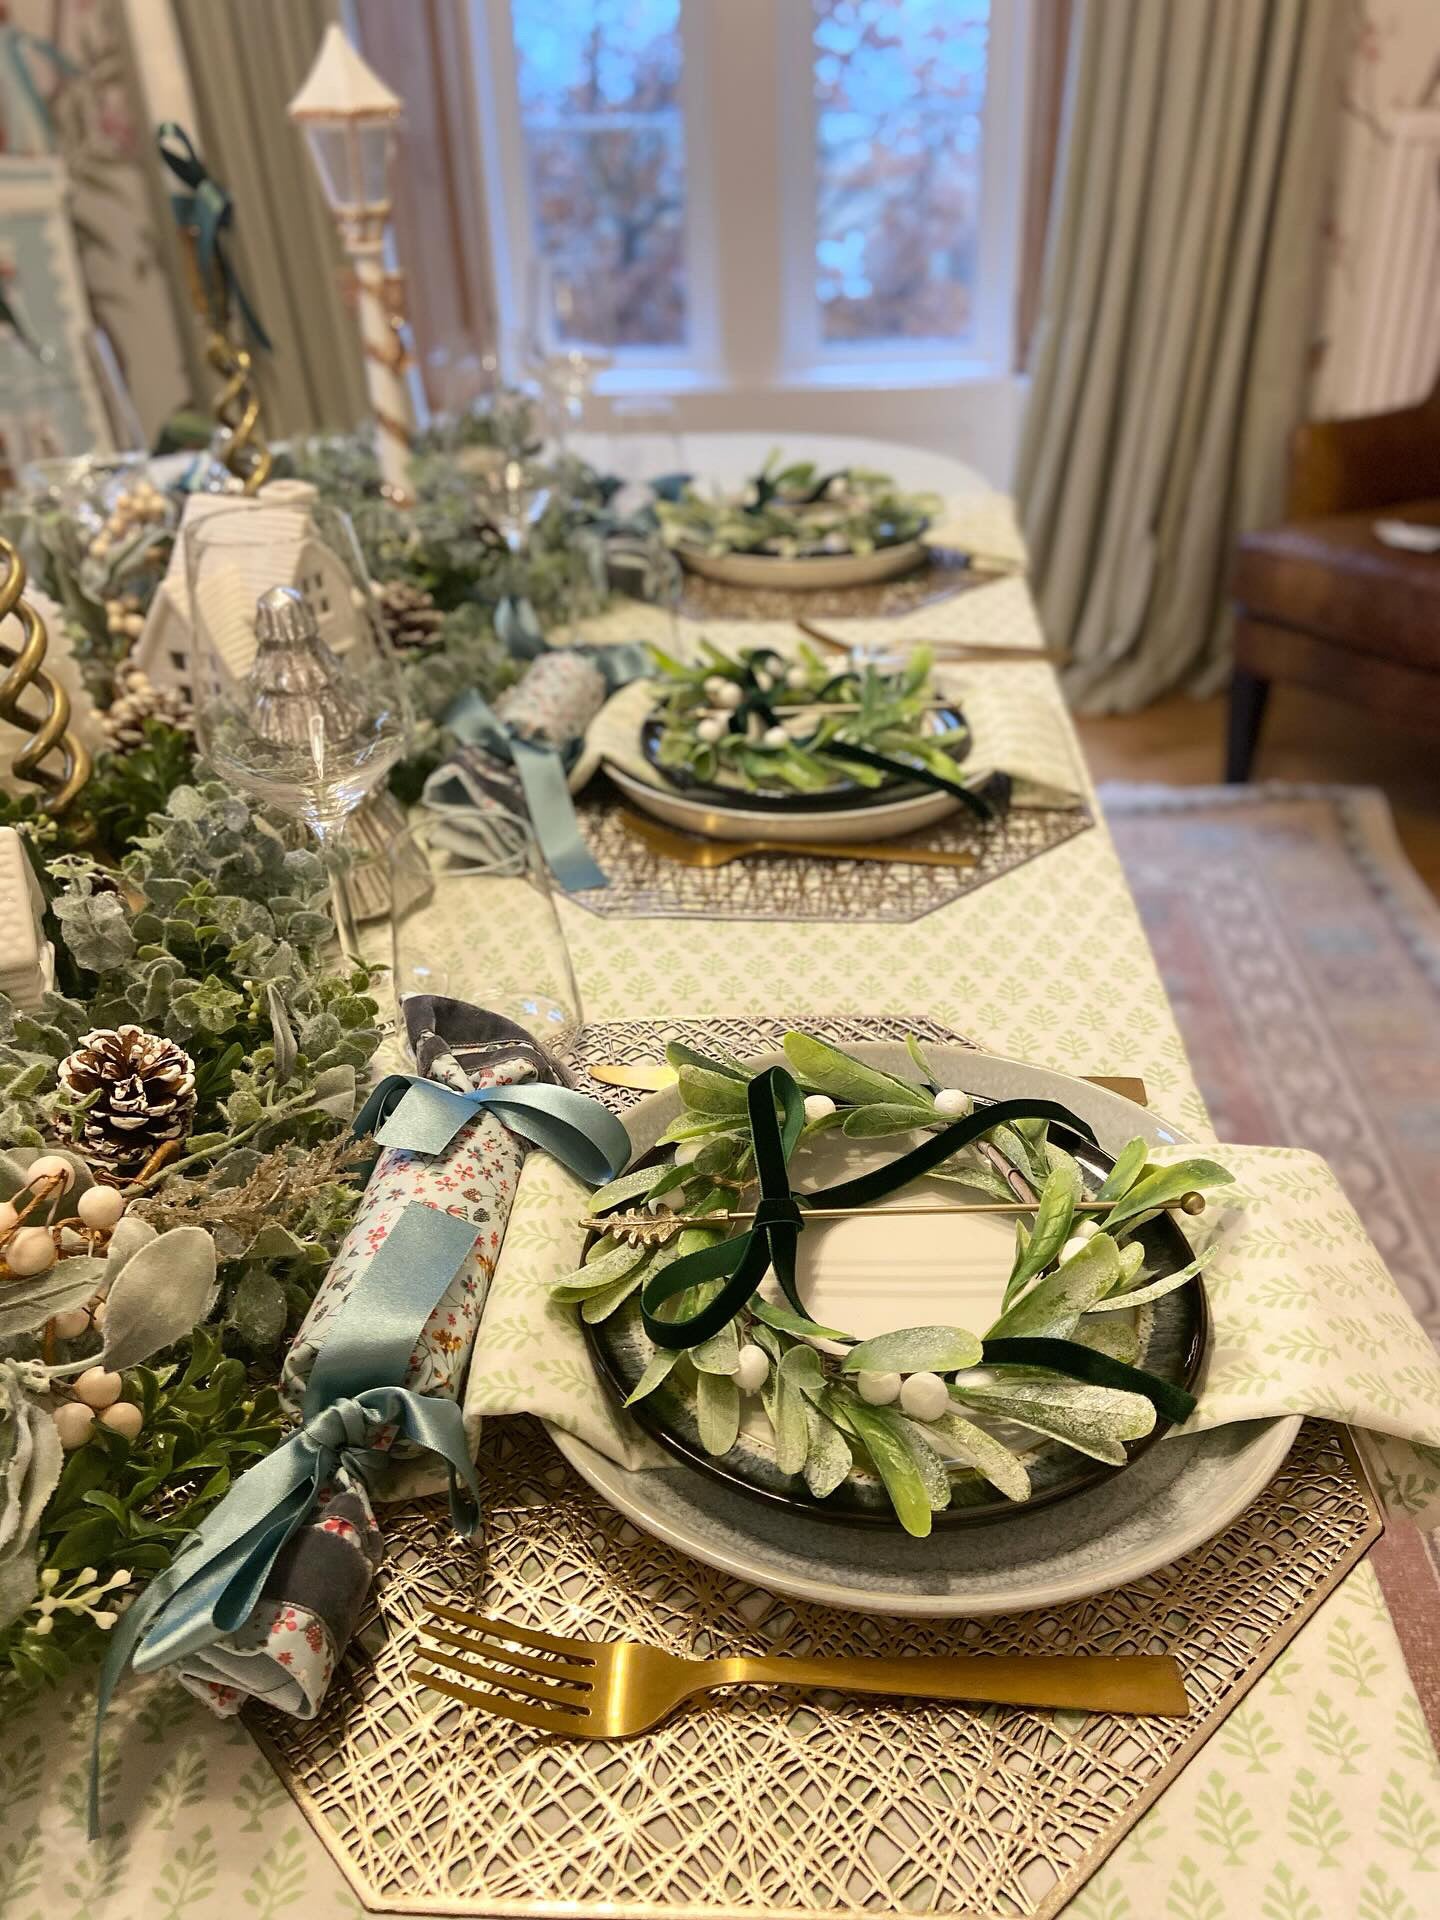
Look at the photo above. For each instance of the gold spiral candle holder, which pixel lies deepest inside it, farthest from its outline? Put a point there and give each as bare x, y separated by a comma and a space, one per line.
237, 404
26, 669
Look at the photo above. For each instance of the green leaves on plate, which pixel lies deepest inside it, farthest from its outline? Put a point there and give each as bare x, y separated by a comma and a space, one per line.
798, 1373
605, 1264
1161, 1184
774, 1314
1156, 1289
629, 1187
981, 1450
1125, 1172
1053, 1305
915, 1350
712, 1091
817, 1064
656, 1373
1051, 1227
1093, 1420
828, 1459
717, 1407
869, 1123
910, 1478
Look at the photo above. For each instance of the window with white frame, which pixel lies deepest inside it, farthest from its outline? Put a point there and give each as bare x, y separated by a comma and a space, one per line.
757, 193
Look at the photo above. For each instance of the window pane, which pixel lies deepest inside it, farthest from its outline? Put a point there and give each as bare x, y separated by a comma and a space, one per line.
599, 85
899, 88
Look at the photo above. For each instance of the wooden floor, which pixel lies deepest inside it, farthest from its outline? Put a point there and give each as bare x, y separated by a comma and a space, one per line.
1306, 738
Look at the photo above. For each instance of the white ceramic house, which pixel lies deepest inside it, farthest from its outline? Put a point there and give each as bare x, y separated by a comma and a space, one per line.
275, 553
27, 959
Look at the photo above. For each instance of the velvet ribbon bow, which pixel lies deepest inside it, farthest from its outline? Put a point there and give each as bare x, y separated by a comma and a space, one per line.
421, 1116
208, 208
776, 1108
354, 1403
757, 700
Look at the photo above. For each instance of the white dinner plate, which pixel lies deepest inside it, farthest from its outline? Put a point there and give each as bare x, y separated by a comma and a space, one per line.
883, 821
1177, 1495
802, 575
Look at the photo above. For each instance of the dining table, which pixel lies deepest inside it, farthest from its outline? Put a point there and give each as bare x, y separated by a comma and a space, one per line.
1316, 1797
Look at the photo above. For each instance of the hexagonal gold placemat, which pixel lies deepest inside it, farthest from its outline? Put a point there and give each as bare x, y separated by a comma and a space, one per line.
763, 1803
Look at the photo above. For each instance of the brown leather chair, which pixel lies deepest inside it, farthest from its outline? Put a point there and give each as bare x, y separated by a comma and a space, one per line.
1320, 601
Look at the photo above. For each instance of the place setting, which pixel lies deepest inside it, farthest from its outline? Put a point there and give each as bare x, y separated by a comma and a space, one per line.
1045, 1462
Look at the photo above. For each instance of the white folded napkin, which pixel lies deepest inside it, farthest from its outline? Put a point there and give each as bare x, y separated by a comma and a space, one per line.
1305, 1315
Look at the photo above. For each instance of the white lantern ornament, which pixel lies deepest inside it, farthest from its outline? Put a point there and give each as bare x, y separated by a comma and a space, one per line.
350, 118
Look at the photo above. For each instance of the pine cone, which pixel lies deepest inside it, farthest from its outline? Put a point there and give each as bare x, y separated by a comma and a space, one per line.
410, 614
147, 1094
138, 699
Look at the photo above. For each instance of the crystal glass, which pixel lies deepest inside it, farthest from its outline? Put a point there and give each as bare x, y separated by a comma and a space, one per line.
474, 918
298, 699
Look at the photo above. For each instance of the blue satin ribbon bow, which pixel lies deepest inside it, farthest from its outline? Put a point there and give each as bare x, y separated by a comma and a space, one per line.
424, 1117
214, 1585
208, 208
354, 1392
542, 766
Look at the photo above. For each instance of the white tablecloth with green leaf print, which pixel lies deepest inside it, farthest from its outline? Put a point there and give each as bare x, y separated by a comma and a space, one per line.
1319, 1799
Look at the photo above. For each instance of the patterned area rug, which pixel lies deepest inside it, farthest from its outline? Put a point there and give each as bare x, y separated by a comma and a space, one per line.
1302, 956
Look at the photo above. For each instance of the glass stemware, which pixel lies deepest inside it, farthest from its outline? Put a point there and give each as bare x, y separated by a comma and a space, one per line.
473, 917
298, 699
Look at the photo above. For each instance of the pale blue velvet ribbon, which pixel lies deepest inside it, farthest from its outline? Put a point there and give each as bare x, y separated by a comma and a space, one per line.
542, 767
541, 771
214, 1585
424, 1117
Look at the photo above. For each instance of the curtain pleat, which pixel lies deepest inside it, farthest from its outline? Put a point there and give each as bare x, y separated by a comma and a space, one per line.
1171, 352
246, 59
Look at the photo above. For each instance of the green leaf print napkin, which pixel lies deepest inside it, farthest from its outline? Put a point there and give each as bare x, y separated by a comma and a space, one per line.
1306, 1317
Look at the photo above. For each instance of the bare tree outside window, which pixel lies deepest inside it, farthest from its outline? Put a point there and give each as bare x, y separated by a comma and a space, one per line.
899, 91
600, 108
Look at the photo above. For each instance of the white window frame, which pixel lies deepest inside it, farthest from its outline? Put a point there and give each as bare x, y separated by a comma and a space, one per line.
755, 356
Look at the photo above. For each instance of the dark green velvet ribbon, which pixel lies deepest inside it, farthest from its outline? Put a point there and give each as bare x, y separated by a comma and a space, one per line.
757, 701
776, 1108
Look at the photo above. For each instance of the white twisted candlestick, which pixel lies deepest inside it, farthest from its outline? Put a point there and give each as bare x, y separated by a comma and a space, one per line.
385, 360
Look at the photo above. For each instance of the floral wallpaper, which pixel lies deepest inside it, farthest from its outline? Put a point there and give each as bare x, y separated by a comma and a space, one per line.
66, 87
1392, 60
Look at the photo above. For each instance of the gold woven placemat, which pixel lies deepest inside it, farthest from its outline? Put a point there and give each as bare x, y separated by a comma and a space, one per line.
789, 886
759, 1803
763, 1803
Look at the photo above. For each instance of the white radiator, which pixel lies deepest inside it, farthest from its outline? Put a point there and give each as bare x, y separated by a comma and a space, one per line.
1387, 351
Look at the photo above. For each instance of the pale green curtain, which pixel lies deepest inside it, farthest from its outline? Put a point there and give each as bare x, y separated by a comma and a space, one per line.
246, 59
1175, 322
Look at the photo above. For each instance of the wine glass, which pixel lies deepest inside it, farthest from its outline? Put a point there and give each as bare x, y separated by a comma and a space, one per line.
568, 326
473, 918
298, 699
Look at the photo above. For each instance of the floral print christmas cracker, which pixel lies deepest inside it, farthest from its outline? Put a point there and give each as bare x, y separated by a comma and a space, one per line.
286, 1650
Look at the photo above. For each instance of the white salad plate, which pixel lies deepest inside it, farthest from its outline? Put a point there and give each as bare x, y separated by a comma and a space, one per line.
1179, 1493
804, 573
883, 821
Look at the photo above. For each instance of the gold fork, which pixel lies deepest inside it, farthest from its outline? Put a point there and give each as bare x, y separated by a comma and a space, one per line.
690, 852
606, 1689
